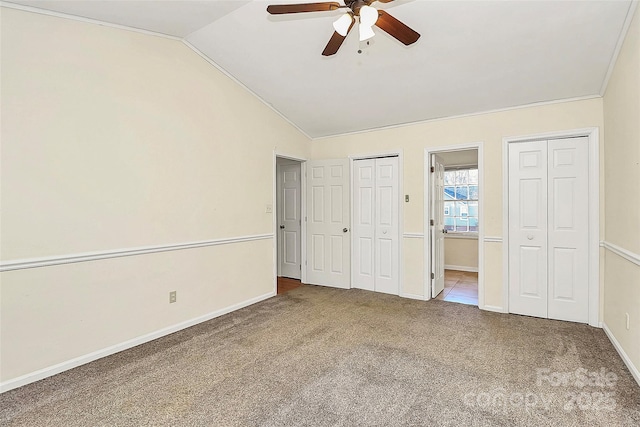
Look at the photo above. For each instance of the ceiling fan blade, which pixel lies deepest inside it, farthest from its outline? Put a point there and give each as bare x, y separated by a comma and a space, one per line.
336, 41
277, 9
396, 28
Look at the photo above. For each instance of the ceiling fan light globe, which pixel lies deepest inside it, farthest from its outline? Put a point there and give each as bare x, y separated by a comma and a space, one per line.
365, 32
368, 16
342, 24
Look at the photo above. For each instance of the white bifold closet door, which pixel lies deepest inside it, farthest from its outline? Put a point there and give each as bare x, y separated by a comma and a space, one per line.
548, 229
376, 225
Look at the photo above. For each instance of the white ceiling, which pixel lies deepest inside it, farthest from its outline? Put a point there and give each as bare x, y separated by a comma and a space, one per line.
473, 56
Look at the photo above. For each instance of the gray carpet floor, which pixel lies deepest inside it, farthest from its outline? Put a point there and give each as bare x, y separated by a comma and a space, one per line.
326, 357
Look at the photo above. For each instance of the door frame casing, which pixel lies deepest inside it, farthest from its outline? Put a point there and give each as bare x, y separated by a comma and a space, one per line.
303, 213
282, 162
593, 136
434, 161
373, 155
479, 146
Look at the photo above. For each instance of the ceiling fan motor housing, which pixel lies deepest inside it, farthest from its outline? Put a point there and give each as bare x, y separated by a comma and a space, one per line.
356, 5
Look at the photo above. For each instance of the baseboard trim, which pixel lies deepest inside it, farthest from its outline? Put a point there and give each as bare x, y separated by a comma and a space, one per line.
493, 308
21, 264
627, 361
81, 360
461, 268
412, 296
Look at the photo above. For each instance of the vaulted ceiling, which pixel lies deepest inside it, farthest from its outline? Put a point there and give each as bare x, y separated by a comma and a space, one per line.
473, 56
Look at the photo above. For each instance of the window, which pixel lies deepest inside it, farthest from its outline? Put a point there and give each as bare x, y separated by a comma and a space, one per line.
461, 200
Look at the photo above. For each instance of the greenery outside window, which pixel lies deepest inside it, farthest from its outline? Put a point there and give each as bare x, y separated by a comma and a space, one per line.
461, 200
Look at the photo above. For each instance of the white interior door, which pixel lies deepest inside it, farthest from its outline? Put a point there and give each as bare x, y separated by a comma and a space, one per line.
376, 225
528, 228
328, 242
437, 227
289, 221
568, 233
363, 224
548, 229
387, 226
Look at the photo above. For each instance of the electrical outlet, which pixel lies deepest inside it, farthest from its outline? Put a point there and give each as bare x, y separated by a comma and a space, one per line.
627, 319
172, 297
269, 209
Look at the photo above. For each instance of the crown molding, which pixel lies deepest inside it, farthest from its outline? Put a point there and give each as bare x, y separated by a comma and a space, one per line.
623, 34
40, 11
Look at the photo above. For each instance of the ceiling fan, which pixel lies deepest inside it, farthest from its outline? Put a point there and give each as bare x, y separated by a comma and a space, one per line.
368, 16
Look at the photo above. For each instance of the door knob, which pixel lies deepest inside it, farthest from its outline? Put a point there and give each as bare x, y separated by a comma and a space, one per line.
530, 237
282, 227
344, 230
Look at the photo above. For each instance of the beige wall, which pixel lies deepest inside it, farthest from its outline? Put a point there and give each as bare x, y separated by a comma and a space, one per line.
622, 179
459, 252
486, 128
113, 140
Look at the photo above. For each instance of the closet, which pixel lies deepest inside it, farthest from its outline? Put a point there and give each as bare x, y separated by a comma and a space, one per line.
375, 230
548, 254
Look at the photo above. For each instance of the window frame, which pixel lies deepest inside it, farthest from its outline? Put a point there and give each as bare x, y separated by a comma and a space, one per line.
466, 217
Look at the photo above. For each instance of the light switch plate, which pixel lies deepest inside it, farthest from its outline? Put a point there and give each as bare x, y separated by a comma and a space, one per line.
269, 209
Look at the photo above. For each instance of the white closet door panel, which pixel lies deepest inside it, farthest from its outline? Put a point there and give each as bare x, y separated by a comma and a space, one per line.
376, 225
363, 228
532, 264
387, 226
568, 166
528, 228
364, 260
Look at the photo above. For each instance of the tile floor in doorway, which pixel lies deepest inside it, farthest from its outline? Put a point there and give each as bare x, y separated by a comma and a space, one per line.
460, 286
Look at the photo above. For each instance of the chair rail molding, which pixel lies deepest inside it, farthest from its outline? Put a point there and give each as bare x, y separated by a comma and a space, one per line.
621, 252
412, 235
21, 264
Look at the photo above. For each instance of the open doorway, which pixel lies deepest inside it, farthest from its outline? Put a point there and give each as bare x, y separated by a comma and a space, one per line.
454, 245
311, 222
288, 214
